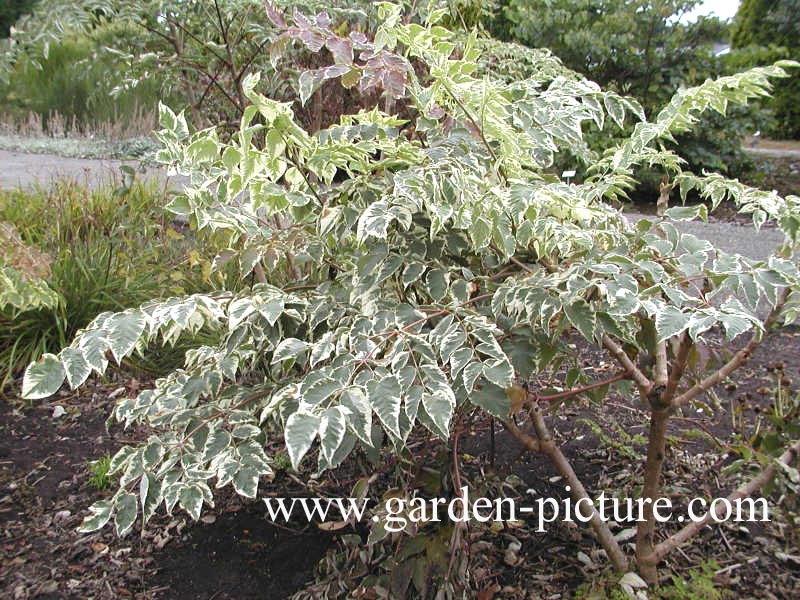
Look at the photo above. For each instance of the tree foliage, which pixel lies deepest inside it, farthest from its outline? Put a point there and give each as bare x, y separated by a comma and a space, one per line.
766, 22
406, 274
643, 49
638, 48
766, 31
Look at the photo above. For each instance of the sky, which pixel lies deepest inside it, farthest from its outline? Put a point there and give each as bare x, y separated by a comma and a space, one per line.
724, 9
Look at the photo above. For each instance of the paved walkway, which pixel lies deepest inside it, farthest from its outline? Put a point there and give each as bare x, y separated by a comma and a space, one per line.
779, 152
20, 169
729, 236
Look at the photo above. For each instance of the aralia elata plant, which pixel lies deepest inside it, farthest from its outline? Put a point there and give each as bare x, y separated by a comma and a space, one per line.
410, 270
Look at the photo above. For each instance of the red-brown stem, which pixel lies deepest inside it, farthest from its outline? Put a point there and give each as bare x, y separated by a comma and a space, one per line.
261, 277
577, 491
456, 471
580, 390
457, 538
645, 385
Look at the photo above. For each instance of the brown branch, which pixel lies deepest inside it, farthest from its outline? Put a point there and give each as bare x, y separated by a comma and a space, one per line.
575, 391
256, 54
459, 527
200, 42
578, 492
660, 372
456, 471
645, 385
678, 366
231, 62
741, 357
214, 79
527, 441
521, 265
744, 491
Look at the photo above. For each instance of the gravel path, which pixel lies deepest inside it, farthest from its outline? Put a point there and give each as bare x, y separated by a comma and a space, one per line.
19, 169
779, 152
730, 236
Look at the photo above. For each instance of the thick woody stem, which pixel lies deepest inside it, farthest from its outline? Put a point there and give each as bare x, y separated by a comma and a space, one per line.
656, 449
645, 534
678, 366
521, 436
746, 490
578, 492
663, 404
660, 369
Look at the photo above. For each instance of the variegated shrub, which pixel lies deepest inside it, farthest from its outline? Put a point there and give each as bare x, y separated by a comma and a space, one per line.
410, 268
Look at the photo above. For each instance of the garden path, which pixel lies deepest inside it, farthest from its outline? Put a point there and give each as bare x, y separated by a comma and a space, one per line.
20, 169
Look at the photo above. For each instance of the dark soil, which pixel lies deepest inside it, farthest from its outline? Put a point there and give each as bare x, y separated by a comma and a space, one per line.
44, 493
237, 553
752, 557
240, 556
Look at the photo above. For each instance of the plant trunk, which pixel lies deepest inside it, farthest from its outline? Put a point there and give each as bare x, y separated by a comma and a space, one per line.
645, 535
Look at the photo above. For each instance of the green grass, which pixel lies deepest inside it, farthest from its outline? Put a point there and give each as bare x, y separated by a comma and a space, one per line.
107, 250
79, 86
99, 478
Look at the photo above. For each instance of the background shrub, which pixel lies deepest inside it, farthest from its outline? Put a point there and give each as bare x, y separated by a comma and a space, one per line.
106, 251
